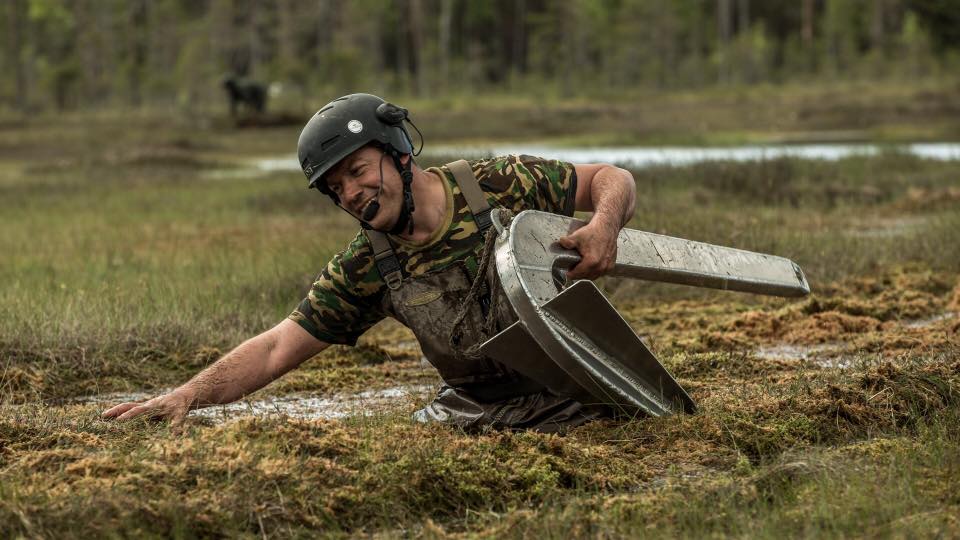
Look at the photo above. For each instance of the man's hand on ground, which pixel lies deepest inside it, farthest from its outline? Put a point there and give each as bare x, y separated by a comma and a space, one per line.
245, 369
597, 243
172, 406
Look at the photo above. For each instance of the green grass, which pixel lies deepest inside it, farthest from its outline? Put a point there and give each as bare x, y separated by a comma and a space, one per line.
129, 264
819, 455
797, 112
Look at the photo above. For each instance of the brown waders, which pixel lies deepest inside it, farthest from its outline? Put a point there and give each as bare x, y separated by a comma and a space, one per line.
478, 391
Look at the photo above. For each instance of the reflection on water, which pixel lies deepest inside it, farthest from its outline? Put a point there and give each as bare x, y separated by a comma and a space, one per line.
646, 156
295, 405
639, 156
334, 406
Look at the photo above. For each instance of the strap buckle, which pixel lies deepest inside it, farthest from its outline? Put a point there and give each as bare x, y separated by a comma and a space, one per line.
389, 268
483, 219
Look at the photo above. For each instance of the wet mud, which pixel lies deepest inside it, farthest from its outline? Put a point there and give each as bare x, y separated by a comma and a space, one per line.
901, 313
300, 406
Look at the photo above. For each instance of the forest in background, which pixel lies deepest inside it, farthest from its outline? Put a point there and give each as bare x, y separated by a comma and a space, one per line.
142, 238
60, 55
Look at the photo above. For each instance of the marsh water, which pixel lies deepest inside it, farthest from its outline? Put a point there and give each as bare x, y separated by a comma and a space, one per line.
295, 405
647, 156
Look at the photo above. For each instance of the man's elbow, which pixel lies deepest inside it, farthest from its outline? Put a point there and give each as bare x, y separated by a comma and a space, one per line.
622, 175
600, 180
626, 175
289, 345
629, 186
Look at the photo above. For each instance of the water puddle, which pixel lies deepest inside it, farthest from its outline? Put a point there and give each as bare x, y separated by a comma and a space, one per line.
889, 228
641, 156
795, 352
929, 321
233, 173
368, 402
337, 406
831, 355
822, 354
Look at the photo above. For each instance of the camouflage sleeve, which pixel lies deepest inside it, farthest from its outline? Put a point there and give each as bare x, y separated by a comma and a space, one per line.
530, 183
345, 300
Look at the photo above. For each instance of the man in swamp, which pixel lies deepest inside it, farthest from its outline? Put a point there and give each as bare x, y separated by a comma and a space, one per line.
423, 246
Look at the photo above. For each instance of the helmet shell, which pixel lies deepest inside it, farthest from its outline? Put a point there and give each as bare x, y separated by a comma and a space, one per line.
344, 125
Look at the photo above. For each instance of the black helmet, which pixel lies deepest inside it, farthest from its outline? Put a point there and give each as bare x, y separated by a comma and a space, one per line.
344, 125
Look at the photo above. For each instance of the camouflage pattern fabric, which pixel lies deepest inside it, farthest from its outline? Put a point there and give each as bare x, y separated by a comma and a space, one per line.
348, 296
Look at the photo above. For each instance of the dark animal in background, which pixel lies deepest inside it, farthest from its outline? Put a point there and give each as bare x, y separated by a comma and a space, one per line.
251, 94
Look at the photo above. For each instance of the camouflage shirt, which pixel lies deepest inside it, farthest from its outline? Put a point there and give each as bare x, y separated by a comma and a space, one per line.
347, 297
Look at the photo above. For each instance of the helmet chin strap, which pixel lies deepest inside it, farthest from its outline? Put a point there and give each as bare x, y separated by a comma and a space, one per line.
405, 219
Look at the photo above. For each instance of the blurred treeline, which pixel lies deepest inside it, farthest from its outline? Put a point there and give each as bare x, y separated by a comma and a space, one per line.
68, 54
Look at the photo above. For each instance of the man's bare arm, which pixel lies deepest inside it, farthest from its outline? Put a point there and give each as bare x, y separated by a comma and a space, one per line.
247, 368
611, 193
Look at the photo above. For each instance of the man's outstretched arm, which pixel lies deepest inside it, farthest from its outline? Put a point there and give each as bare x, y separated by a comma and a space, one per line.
247, 368
610, 193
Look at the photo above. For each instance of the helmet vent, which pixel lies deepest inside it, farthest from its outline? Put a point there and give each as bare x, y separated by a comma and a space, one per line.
325, 109
327, 143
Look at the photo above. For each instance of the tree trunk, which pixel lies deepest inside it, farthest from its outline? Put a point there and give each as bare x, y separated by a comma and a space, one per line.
16, 22
877, 25
518, 43
253, 44
401, 67
415, 25
445, 21
138, 50
806, 28
724, 20
286, 39
568, 26
743, 16
724, 31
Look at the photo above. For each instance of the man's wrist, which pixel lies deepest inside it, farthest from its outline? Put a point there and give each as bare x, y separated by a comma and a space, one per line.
609, 221
186, 394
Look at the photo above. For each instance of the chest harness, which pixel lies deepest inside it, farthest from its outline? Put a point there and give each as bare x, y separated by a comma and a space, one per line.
383, 254
462, 311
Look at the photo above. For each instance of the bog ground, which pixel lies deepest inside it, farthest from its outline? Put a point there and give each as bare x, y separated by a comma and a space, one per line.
130, 261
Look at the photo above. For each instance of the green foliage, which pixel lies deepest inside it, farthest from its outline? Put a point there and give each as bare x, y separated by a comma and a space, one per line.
167, 52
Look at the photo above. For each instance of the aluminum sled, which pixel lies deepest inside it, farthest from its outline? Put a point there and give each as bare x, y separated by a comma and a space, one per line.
572, 339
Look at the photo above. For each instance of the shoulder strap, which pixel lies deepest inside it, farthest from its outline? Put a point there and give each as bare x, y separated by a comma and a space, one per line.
385, 258
463, 174
383, 254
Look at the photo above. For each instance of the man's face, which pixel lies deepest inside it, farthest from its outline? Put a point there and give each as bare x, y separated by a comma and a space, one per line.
356, 180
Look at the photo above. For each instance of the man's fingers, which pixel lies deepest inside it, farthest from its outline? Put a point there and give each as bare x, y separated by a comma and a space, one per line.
117, 410
568, 242
134, 412
159, 408
598, 251
582, 273
587, 268
571, 242
592, 265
